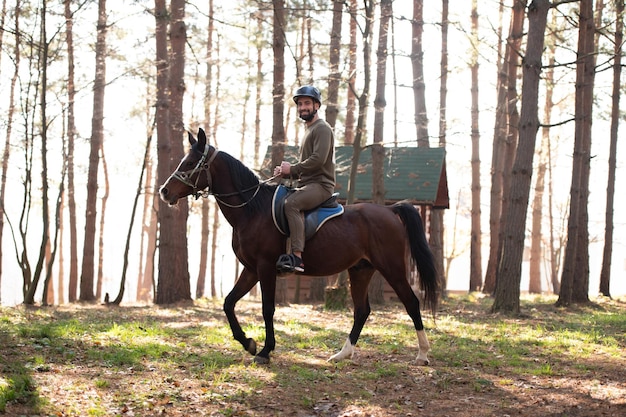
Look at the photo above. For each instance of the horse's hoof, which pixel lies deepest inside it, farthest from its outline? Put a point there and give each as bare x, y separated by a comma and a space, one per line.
422, 362
251, 347
261, 360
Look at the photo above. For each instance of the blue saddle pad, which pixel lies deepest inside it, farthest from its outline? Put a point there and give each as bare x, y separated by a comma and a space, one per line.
313, 219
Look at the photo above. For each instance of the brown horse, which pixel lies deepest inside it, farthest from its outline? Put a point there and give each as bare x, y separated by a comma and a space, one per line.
366, 238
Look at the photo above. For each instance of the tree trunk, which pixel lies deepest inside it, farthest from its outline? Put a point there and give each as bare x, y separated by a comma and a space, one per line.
104, 200
9, 126
509, 271
476, 270
363, 100
576, 251
334, 76
148, 232
204, 228
536, 247
437, 222
144, 167
605, 273
71, 135
417, 61
278, 106
505, 136
216, 211
87, 269
352, 57
173, 285
377, 285
45, 237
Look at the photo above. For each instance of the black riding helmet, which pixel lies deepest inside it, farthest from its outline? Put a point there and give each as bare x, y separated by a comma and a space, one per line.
308, 91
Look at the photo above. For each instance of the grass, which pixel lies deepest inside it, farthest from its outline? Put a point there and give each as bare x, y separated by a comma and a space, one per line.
98, 361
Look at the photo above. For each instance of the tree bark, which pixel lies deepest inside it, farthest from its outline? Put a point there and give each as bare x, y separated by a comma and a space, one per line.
88, 268
377, 285
71, 135
352, 57
278, 106
605, 273
476, 270
9, 126
45, 216
576, 263
505, 138
334, 76
173, 285
509, 271
417, 63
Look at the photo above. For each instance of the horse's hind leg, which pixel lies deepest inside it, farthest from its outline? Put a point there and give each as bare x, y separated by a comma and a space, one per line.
359, 282
400, 285
246, 281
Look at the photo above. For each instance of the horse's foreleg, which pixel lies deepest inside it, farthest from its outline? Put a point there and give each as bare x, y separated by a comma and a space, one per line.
246, 281
359, 282
268, 292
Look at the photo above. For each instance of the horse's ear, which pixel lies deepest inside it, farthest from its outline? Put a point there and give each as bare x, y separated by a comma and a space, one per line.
192, 140
201, 139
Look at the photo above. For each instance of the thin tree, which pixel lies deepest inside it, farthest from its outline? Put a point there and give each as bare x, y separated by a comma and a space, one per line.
536, 235
377, 286
9, 123
148, 229
103, 208
71, 136
334, 76
45, 215
352, 58
278, 107
509, 271
216, 211
133, 212
476, 270
87, 269
505, 139
575, 274
48, 289
605, 273
363, 98
204, 221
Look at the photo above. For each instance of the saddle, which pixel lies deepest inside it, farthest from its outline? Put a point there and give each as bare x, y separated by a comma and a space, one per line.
313, 219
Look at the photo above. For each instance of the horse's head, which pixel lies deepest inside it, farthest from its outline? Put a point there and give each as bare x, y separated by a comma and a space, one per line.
192, 175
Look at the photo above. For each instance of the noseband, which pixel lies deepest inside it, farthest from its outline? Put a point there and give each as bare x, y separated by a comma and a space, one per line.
202, 165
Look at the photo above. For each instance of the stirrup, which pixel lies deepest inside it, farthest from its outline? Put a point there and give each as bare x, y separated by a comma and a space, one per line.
289, 263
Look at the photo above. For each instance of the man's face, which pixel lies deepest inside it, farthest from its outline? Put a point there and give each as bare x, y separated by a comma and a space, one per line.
307, 108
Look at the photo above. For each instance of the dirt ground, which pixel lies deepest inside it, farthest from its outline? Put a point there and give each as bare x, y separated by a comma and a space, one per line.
300, 382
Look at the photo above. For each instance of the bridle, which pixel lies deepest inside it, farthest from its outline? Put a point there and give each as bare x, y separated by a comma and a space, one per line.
204, 165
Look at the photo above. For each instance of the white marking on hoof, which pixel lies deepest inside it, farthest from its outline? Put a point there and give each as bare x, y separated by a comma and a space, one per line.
347, 351
424, 347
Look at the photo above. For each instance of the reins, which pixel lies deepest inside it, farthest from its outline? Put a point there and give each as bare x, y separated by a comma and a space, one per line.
185, 176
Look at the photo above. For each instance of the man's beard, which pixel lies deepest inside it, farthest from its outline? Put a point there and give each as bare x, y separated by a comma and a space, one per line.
308, 117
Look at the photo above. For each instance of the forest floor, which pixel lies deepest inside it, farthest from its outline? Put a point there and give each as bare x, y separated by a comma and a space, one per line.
182, 361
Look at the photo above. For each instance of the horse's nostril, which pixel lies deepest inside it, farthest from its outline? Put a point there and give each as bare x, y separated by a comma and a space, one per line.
163, 191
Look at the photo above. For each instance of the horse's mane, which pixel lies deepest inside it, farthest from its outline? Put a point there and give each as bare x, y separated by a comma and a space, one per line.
245, 181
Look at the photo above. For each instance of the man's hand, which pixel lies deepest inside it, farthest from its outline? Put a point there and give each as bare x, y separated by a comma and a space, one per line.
283, 169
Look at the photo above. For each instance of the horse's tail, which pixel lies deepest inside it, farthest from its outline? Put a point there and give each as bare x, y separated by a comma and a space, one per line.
420, 252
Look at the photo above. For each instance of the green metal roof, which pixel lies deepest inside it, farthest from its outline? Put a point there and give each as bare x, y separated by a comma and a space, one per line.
416, 174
